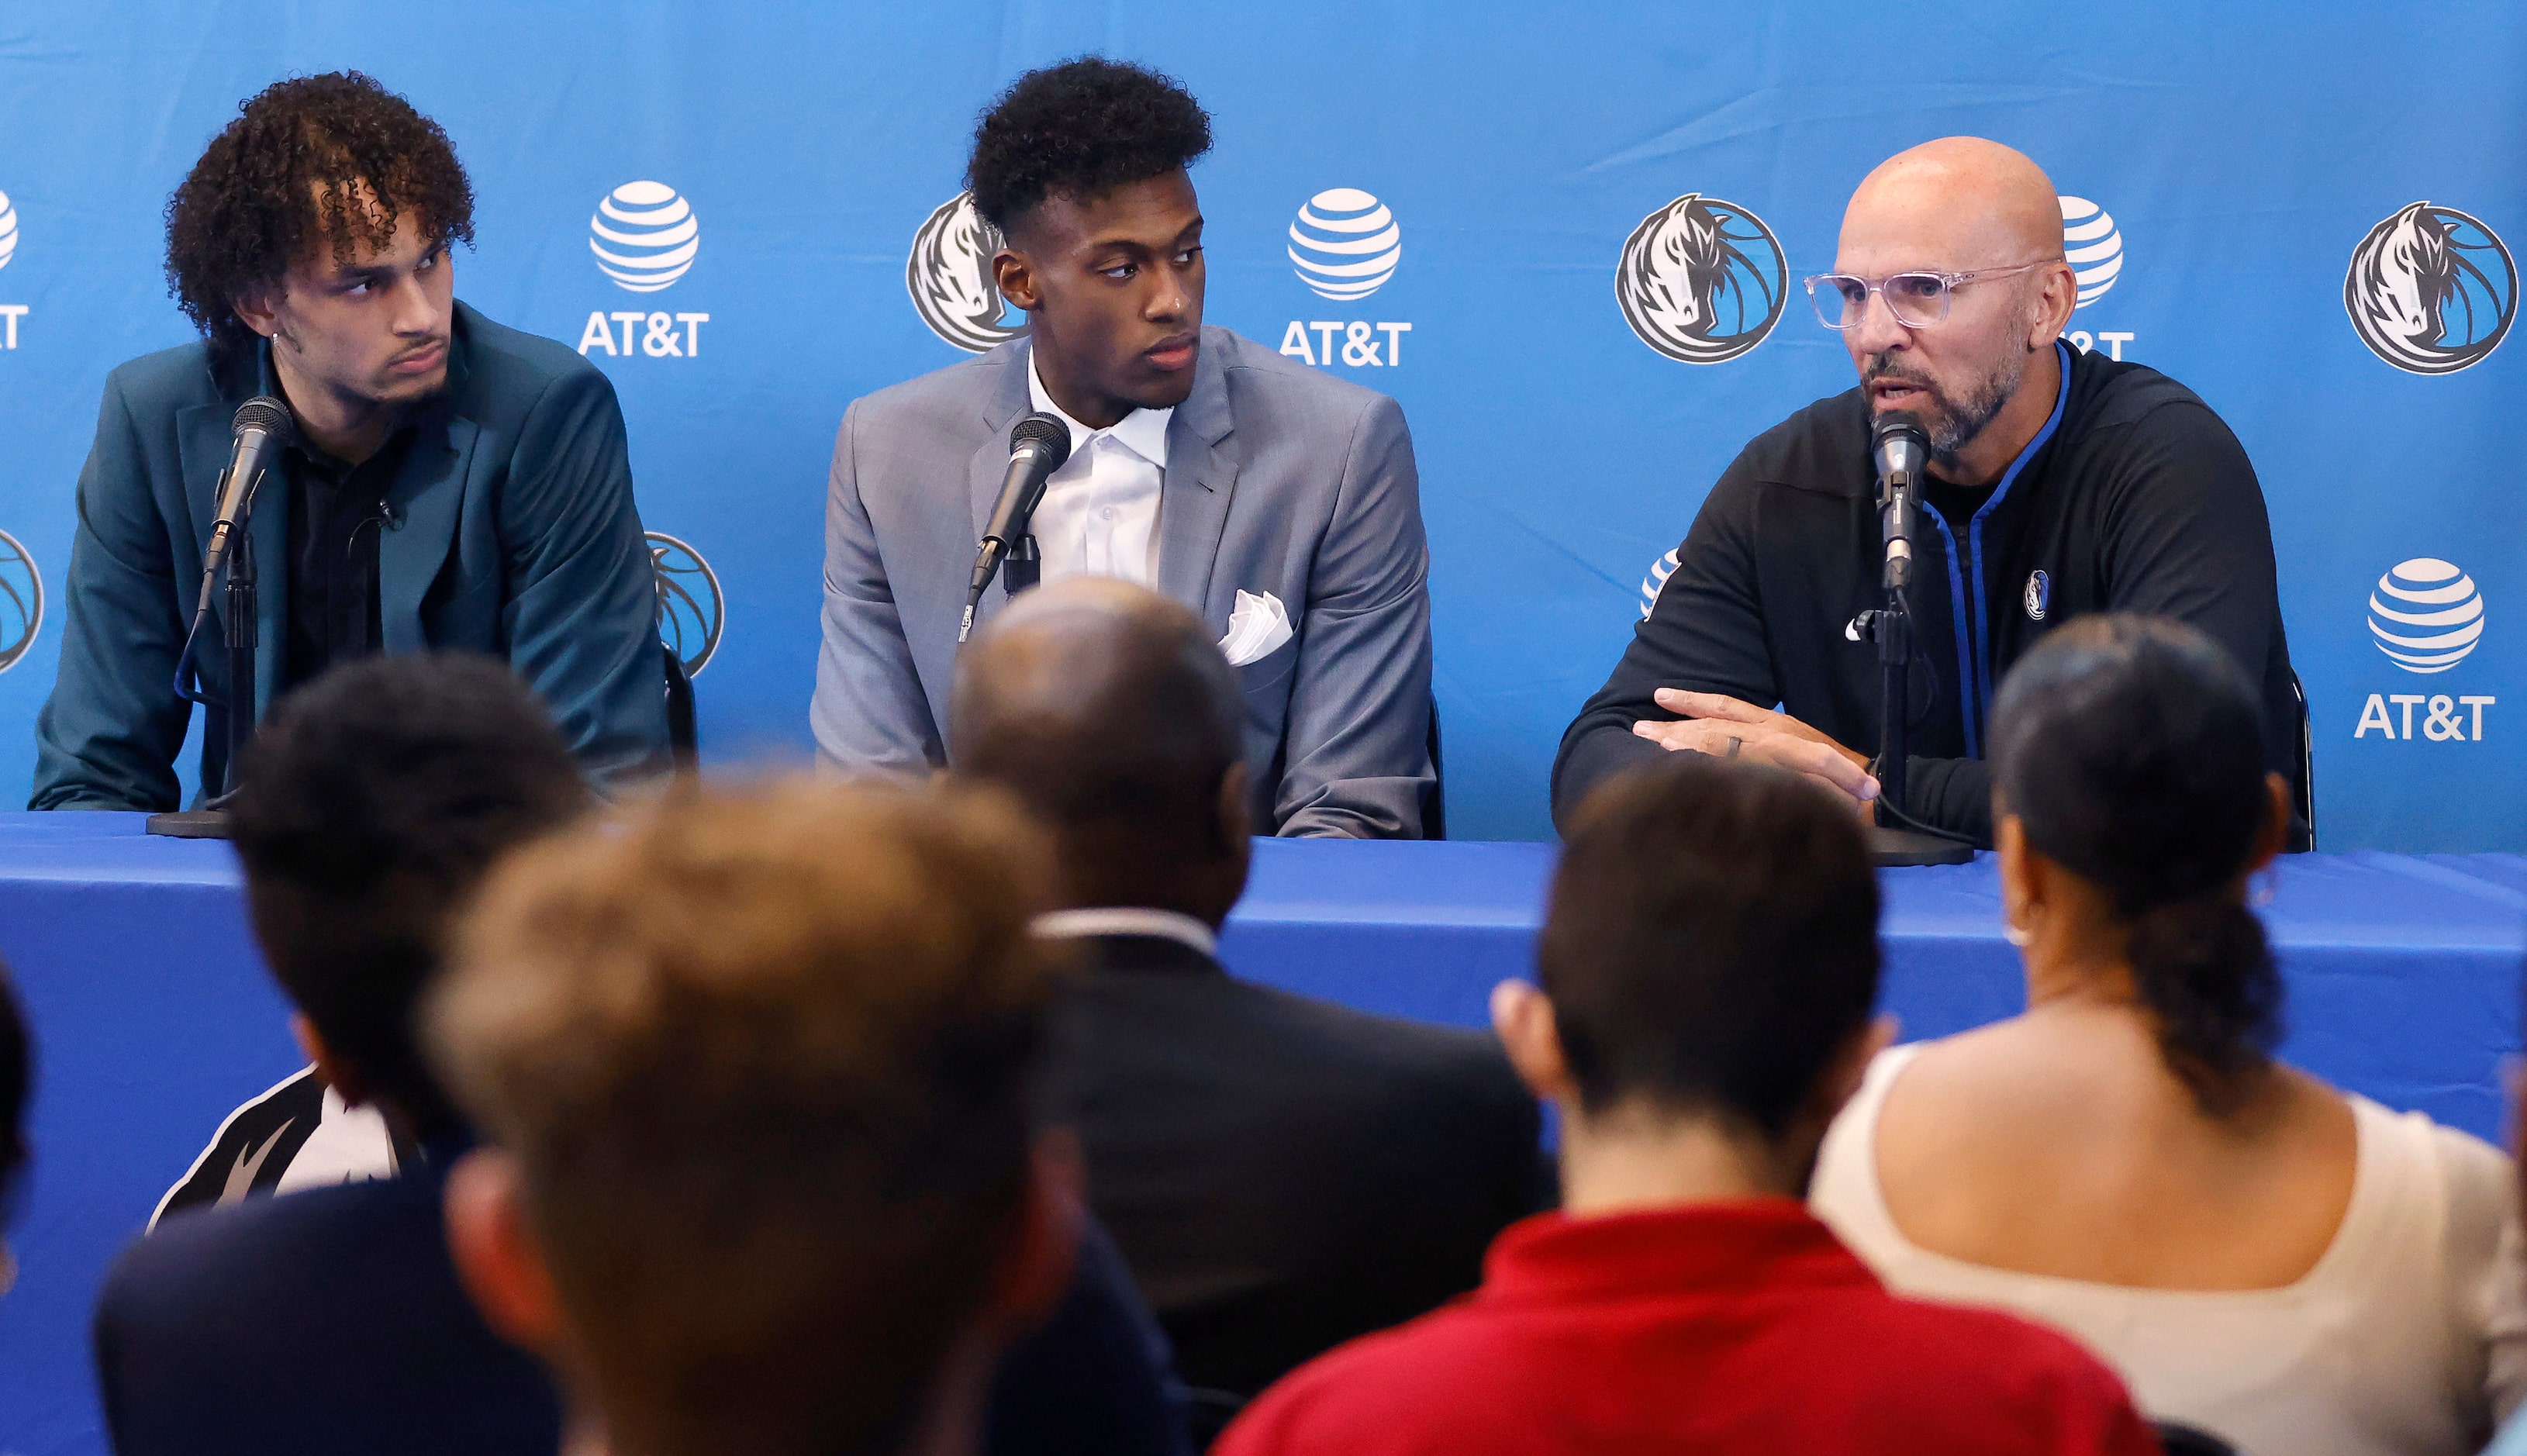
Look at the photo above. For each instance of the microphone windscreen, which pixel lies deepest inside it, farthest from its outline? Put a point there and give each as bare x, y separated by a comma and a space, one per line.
1898, 447
1046, 430
1894, 423
266, 414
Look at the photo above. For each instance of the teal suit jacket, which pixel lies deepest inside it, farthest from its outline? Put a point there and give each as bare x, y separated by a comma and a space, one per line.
513, 535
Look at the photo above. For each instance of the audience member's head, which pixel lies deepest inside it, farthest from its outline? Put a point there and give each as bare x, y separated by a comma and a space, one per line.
1710, 959
16, 1085
1109, 711
373, 803
2131, 801
754, 1067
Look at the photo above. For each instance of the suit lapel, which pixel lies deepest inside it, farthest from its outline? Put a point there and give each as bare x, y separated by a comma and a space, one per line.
427, 496
1194, 493
202, 441
1199, 482
424, 501
990, 465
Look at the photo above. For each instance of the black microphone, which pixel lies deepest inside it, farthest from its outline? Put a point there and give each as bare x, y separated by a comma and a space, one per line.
1038, 444
263, 429
1899, 447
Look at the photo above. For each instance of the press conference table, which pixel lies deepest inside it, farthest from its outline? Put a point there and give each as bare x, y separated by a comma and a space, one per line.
154, 1017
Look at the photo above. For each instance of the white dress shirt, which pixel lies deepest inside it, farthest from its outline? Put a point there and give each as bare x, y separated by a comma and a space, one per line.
1128, 919
1100, 515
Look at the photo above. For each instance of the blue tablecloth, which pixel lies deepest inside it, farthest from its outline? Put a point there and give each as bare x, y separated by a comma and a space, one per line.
154, 1017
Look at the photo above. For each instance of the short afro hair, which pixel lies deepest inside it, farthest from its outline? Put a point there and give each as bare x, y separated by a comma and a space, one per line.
1711, 940
279, 178
372, 805
1080, 128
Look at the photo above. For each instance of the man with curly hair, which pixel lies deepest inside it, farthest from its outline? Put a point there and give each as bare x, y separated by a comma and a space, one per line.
453, 483
1278, 502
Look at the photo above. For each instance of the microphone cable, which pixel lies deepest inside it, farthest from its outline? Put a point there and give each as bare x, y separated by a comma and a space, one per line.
1903, 821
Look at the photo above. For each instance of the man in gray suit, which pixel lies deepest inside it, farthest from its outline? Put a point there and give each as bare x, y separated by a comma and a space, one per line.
1278, 502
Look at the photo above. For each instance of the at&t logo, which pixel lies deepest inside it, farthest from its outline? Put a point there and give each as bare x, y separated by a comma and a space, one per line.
2427, 616
2431, 289
950, 278
10, 313
1344, 246
2095, 248
644, 236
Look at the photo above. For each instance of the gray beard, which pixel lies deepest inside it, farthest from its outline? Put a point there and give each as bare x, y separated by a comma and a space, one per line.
1961, 420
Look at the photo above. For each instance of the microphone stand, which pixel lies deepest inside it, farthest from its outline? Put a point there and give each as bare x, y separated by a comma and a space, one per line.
211, 820
1023, 567
1892, 628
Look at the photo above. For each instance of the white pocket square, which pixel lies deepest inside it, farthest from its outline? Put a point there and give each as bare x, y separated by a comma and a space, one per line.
1256, 628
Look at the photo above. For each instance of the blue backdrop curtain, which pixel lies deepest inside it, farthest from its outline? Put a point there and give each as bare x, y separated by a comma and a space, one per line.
743, 212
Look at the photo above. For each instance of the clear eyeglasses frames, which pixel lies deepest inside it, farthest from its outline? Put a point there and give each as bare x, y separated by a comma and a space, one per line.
1917, 299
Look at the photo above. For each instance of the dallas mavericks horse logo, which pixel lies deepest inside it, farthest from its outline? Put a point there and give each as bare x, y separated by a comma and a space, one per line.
950, 278
22, 601
1702, 281
2431, 289
690, 603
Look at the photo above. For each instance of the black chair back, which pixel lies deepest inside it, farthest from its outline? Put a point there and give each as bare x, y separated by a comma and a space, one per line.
1434, 799
2307, 805
2180, 1439
684, 739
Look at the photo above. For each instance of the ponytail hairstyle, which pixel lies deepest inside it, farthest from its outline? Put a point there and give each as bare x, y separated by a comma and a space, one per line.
2131, 751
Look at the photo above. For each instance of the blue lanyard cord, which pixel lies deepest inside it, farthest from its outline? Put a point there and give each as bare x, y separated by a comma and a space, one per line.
1974, 635
1962, 628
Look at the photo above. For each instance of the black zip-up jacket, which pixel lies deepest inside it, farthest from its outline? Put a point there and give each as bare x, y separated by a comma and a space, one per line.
2136, 497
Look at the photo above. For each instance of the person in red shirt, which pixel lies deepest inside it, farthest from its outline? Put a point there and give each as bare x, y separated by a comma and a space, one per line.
1707, 962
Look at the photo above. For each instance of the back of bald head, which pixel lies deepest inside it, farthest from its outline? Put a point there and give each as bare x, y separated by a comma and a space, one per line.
1991, 199
1109, 711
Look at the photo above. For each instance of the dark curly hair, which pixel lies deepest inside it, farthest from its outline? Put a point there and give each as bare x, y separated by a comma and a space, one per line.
1081, 128
278, 180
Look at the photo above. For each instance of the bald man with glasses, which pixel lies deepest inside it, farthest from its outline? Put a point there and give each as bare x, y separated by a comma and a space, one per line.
2060, 484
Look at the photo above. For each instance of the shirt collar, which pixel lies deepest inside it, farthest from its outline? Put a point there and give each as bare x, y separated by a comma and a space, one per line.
2052, 422
1714, 1248
337, 470
1119, 919
1143, 432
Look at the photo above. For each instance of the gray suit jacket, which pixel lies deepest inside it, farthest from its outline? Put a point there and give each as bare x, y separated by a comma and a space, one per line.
1279, 479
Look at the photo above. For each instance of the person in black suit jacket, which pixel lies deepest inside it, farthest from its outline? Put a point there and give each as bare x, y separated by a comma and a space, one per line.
1283, 1174
332, 1320
323, 1320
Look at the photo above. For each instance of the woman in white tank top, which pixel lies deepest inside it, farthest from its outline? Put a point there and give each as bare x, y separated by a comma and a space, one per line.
2297, 1272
